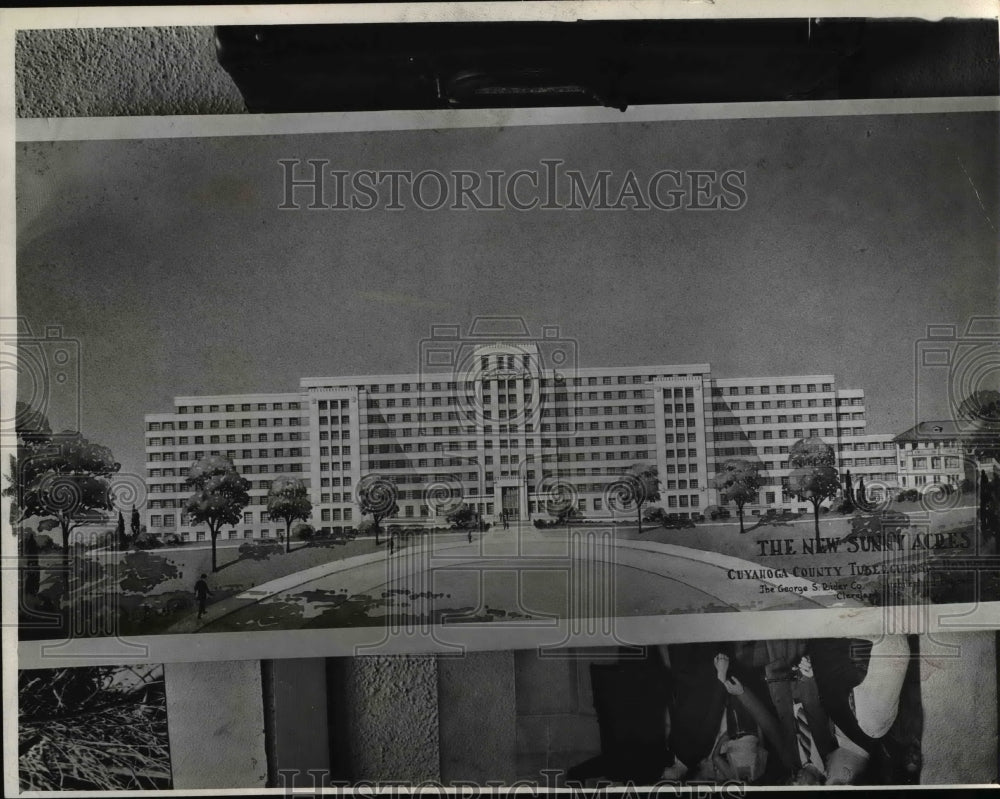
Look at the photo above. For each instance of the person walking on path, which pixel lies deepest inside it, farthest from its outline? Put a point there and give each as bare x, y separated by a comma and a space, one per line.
202, 593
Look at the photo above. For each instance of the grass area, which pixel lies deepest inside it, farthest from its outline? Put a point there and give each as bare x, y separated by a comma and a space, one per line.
239, 573
157, 587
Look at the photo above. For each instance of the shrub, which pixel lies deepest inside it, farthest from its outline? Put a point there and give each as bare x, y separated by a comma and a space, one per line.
304, 532
873, 525
654, 515
462, 517
260, 549
146, 541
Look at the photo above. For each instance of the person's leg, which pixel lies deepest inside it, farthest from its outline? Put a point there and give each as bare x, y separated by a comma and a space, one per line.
778, 673
819, 722
698, 704
876, 698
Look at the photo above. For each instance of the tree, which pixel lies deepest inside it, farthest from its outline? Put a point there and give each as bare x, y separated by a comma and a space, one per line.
989, 507
738, 480
32, 574
812, 451
135, 523
462, 517
814, 477
815, 484
649, 487
288, 501
639, 485
120, 541
377, 498
220, 494
564, 513
33, 431
33, 434
66, 479
979, 416
849, 503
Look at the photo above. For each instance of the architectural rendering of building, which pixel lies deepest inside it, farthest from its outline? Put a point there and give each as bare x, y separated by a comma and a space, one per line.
507, 433
932, 453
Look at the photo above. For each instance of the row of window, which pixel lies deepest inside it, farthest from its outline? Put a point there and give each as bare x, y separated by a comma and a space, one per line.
793, 388
930, 445
867, 461
399, 463
217, 439
724, 407
919, 480
752, 435
245, 406
781, 419
245, 438
332, 420
606, 380
217, 424
193, 455
934, 462
503, 443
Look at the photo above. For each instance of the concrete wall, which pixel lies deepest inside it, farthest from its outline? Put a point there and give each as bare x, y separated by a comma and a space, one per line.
477, 717
121, 72
215, 720
384, 713
556, 722
959, 693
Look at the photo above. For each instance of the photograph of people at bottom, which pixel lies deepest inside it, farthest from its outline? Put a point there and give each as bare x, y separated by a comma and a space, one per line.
893, 710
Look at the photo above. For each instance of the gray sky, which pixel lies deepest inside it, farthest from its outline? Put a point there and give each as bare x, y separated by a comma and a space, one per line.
171, 264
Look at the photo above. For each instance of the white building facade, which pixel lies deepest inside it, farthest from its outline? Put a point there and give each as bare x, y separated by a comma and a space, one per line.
507, 432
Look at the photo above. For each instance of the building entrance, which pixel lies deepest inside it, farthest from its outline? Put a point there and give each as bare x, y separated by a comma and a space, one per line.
510, 502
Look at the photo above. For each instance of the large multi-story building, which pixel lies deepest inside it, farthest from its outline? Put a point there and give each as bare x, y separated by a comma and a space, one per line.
506, 433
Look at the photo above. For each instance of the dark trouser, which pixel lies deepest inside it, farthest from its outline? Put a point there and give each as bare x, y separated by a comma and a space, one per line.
202, 601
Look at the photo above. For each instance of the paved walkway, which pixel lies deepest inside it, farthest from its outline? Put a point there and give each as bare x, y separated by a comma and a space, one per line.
534, 573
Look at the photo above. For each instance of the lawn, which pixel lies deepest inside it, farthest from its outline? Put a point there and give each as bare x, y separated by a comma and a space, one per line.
156, 588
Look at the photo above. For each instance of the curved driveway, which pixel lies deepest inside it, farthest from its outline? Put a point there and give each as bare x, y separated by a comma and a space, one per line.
512, 574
